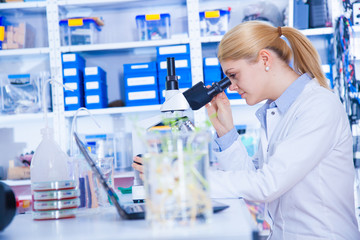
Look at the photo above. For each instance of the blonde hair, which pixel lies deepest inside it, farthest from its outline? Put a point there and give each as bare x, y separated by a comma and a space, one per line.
247, 39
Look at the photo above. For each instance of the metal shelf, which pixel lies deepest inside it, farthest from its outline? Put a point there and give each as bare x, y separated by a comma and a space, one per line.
24, 51
116, 110
126, 3
13, 183
318, 31
124, 45
211, 39
307, 32
22, 5
23, 117
86, 2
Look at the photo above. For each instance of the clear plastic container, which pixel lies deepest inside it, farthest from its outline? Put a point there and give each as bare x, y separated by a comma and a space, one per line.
80, 31
21, 93
153, 26
214, 23
176, 183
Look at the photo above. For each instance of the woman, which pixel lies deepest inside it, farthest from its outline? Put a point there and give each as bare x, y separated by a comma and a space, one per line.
303, 170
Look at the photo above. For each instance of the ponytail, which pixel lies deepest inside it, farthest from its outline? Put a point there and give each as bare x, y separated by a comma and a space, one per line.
247, 39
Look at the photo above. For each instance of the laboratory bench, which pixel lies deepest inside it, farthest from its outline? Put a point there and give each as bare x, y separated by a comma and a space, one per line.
234, 222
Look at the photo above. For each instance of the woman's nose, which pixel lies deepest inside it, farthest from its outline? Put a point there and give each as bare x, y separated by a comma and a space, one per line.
232, 87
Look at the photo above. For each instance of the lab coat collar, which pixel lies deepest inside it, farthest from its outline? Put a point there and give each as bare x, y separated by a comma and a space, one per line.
286, 99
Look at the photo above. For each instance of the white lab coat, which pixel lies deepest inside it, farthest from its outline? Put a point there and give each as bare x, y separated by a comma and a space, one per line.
306, 172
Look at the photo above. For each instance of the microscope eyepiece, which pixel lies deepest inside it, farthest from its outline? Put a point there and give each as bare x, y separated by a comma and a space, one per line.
198, 95
171, 78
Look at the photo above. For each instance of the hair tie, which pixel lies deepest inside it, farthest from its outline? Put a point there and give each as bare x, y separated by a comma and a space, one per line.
280, 32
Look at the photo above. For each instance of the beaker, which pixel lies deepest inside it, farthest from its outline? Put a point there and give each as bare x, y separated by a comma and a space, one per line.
175, 178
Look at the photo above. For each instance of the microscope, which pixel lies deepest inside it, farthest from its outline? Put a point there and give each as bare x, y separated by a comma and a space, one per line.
173, 108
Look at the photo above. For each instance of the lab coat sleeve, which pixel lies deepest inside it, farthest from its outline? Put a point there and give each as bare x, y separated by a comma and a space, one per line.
235, 157
312, 133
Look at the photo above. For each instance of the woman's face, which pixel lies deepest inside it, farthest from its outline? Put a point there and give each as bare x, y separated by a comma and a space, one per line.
248, 79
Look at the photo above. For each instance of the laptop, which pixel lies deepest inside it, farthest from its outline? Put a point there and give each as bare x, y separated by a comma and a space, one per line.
128, 211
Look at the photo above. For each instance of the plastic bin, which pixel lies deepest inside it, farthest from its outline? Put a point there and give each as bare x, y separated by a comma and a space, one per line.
80, 31
16, 35
214, 23
73, 60
153, 26
140, 75
21, 93
142, 96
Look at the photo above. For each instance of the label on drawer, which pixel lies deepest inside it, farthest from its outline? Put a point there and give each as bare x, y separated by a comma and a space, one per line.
92, 85
212, 14
172, 50
71, 100
211, 62
142, 95
91, 71
178, 64
140, 66
152, 17
70, 72
93, 99
72, 86
69, 57
75, 22
141, 81
2, 33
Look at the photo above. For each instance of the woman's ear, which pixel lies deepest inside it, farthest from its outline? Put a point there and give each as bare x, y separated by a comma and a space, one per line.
266, 57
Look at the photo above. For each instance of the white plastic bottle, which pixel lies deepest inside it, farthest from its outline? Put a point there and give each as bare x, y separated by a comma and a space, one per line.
53, 189
49, 162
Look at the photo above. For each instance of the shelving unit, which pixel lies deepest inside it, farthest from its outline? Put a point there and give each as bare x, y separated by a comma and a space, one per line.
26, 51
22, 5
123, 46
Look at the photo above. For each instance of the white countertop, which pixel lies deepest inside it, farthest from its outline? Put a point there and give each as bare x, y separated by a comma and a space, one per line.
104, 223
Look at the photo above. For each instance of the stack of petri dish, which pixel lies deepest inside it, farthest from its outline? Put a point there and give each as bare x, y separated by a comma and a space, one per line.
55, 200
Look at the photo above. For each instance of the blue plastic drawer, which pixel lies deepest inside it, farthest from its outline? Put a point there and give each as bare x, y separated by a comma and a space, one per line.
91, 86
102, 92
73, 100
176, 51
212, 70
141, 80
94, 73
95, 101
142, 96
140, 68
73, 60
73, 75
77, 87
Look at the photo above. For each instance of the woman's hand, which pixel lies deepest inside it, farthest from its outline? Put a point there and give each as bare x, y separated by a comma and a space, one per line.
138, 166
220, 115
